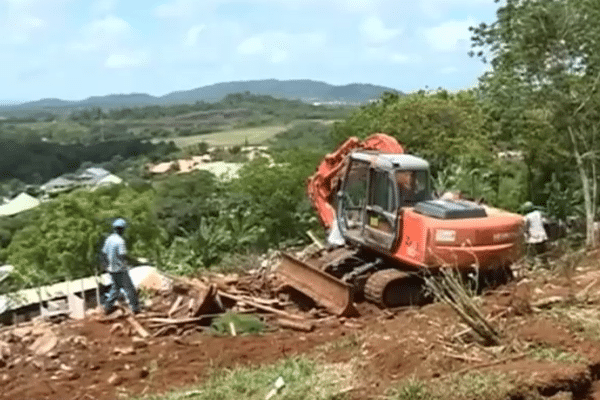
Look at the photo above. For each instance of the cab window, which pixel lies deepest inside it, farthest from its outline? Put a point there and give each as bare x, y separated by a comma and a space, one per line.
412, 186
382, 193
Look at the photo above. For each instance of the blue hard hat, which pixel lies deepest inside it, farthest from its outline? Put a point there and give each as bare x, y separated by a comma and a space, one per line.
119, 223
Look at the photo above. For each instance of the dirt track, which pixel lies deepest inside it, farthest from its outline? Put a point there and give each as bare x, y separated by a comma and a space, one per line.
386, 347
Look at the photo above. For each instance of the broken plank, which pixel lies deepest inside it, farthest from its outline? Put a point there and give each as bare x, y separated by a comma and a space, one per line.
260, 306
314, 239
163, 330
484, 365
296, 325
266, 302
206, 300
174, 321
171, 321
138, 327
175, 305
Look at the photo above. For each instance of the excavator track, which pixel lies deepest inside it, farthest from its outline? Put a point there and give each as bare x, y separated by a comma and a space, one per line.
393, 288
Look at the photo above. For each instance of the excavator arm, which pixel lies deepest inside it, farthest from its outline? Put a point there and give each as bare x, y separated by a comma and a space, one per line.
324, 183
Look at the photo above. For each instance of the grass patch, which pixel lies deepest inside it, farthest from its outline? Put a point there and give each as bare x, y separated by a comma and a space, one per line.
547, 353
473, 386
304, 379
303, 134
585, 321
67, 125
241, 324
412, 389
347, 343
230, 137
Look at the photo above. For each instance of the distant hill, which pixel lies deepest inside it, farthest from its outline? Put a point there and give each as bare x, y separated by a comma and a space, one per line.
303, 89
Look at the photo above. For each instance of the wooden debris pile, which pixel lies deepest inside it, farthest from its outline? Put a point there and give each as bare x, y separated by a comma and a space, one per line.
191, 305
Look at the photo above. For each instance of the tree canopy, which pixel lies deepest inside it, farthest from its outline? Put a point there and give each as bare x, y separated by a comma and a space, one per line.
542, 89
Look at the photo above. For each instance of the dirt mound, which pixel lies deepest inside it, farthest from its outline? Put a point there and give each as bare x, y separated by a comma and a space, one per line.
101, 358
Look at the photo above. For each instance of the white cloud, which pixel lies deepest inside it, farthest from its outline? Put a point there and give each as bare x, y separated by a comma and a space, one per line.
193, 34
278, 56
375, 32
438, 8
398, 58
386, 55
178, 9
356, 5
102, 7
109, 26
20, 23
126, 60
251, 46
106, 33
277, 46
450, 35
175, 9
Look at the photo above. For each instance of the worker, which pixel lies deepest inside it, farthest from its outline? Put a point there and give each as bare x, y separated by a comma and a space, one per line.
535, 234
405, 184
115, 256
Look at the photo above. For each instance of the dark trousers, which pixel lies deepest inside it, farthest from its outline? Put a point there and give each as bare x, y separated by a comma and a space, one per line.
121, 280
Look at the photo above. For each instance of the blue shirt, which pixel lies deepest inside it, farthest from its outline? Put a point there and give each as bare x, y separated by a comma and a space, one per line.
114, 249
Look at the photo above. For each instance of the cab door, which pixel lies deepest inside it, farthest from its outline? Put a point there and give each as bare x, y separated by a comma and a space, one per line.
381, 212
352, 200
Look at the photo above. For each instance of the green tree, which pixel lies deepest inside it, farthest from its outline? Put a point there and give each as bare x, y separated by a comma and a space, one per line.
545, 72
441, 127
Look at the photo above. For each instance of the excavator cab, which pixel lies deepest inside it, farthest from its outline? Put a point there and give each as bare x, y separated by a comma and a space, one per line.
375, 190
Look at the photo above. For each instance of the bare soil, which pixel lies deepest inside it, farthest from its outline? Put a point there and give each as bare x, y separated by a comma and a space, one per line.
94, 360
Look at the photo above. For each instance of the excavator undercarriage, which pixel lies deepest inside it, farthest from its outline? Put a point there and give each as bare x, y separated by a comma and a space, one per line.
336, 278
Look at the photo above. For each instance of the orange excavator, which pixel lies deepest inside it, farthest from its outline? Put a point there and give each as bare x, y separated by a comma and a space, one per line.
386, 231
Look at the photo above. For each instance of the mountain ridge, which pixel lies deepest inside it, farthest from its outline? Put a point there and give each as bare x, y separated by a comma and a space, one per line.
296, 89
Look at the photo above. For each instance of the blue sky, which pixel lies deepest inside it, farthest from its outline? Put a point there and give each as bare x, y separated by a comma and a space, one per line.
73, 49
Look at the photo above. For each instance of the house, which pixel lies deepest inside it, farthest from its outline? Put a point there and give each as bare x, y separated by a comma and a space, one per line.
221, 169
91, 176
5, 272
186, 165
108, 180
58, 185
70, 297
22, 202
162, 168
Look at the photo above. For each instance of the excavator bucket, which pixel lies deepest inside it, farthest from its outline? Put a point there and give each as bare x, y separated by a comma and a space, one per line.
324, 289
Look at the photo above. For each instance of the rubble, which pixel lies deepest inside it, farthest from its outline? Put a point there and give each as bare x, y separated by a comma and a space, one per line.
190, 304
115, 379
139, 328
185, 306
44, 344
4, 351
296, 325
